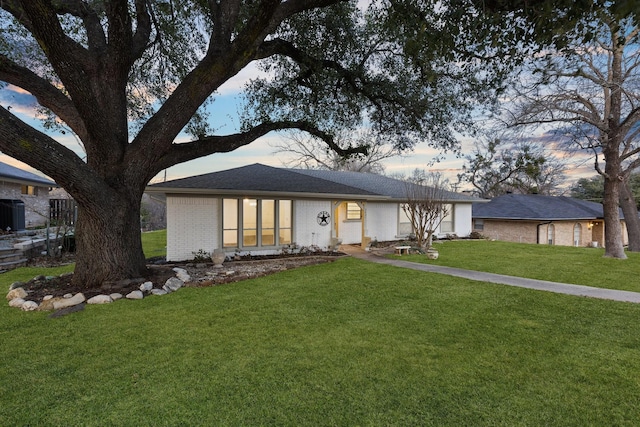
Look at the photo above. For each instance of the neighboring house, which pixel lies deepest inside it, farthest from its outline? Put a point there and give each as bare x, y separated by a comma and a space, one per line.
33, 190
532, 218
260, 209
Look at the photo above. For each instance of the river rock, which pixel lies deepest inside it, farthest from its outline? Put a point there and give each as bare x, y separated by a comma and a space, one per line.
69, 302
47, 304
16, 302
182, 274
16, 293
29, 306
100, 299
157, 291
146, 286
135, 295
15, 285
173, 284
116, 296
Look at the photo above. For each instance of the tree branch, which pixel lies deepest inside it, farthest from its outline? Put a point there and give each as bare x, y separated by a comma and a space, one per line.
47, 94
183, 152
21, 141
143, 30
90, 19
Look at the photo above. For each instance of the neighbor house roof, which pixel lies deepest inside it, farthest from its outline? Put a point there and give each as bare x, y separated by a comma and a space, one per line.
261, 179
13, 174
537, 207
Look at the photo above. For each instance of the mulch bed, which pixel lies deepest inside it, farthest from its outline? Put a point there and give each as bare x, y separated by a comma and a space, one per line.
202, 274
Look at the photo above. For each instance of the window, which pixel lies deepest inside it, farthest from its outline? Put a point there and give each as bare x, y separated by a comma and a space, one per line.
230, 223
249, 222
284, 221
404, 222
268, 229
254, 223
354, 212
478, 224
446, 226
577, 234
29, 190
550, 233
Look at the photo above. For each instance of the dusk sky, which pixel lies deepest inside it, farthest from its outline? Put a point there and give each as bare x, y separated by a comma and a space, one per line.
224, 119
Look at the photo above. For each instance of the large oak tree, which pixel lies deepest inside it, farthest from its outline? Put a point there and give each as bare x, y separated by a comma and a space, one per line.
128, 76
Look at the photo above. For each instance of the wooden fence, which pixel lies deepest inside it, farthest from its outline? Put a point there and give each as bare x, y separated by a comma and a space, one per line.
63, 211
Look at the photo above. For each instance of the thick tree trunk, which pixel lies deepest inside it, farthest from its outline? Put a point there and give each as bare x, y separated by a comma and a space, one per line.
630, 211
108, 242
612, 228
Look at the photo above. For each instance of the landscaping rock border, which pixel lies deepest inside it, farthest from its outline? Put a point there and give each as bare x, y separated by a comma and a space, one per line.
37, 294
17, 295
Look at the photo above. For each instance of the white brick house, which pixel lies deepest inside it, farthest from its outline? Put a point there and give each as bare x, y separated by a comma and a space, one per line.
259, 209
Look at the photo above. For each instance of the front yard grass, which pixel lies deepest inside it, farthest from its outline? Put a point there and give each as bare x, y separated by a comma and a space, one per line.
345, 343
578, 266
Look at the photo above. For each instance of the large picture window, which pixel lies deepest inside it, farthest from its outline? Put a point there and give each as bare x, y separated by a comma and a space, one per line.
250, 223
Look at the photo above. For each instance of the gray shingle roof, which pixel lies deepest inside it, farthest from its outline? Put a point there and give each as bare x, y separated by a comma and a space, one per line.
537, 207
261, 178
15, 174
379, 184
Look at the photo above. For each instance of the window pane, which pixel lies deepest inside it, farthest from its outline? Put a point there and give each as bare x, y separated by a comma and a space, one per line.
249, 237
577, 234
447, 222
230, 223
284, 213
230, 238
230, 217
403, 215
353, 211
249, 213
249, 222
285, 236
284, 221
268, 221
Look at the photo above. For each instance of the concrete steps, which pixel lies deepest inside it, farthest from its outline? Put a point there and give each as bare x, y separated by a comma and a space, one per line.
16, 249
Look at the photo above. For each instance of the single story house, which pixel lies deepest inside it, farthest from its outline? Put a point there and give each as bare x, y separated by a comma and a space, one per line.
533, 218
32, 190
260, 209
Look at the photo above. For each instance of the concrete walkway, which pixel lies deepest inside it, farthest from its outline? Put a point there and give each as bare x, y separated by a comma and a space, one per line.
541, 285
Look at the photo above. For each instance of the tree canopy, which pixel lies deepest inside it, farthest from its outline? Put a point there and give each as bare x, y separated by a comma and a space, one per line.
128, 76
498, 167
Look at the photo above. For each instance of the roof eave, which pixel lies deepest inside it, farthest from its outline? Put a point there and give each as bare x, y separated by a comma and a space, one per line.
537, 219
256, 193
35, 183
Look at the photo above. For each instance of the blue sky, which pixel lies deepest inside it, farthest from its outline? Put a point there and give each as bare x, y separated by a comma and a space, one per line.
224, 118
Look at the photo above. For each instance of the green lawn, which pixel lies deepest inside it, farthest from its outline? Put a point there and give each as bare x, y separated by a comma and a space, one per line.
347, 343
579, 266
154, 243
